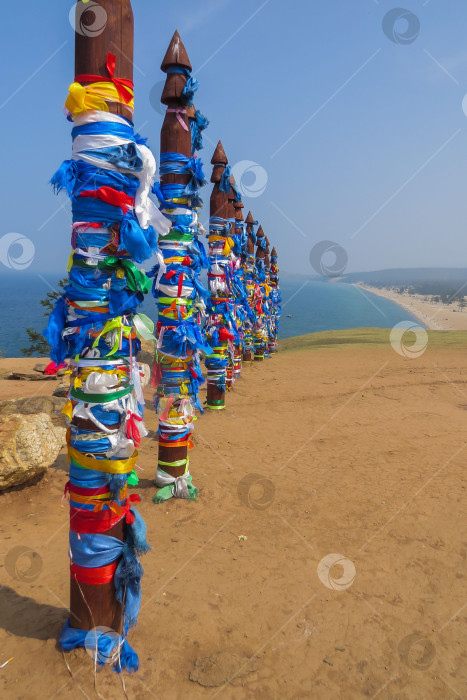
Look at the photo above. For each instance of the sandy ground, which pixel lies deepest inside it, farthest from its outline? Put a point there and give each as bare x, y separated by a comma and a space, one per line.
354, 452
433, 315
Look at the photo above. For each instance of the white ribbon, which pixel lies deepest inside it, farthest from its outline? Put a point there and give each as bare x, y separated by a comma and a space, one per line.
171, 290
180, 483
146, 211
97, 383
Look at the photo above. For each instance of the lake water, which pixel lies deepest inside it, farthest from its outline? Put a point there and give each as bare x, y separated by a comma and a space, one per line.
313, 306
331, 306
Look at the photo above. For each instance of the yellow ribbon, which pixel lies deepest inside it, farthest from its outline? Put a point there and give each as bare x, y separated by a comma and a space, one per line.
228, 243
67, 410
94, 96
111, 325
109, 466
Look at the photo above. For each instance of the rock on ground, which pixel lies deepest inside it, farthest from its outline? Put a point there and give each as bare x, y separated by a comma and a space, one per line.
145, 374
29, 444
50, 405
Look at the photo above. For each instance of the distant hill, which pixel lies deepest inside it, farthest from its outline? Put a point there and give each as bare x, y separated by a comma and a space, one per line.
429, 280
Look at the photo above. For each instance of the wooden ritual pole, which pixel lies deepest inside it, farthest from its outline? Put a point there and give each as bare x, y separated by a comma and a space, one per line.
276, 297
198, 123
267, 302
177, 370
230, 373
241, 302
94, 324
220, 309
248, 264
260, 334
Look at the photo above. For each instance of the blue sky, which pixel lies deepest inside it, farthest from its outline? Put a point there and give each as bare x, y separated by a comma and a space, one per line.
348, 135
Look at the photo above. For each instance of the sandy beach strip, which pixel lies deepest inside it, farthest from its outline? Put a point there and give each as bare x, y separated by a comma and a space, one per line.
434, 315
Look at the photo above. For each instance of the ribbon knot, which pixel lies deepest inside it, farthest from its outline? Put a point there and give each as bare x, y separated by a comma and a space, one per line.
178, 112
124, 86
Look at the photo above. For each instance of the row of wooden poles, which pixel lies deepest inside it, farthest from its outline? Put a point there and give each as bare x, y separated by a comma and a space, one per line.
239, 318
97, 326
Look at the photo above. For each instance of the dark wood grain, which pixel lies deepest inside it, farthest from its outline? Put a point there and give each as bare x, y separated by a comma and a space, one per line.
117, 38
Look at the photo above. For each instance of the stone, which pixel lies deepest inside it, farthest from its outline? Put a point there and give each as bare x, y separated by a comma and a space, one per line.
217, 669
31, 377
145, 374
51, 405
41, 367
29, 444
146, 354
62, 389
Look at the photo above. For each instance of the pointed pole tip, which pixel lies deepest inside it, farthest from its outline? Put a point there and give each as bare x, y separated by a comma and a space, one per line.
219, 157
176, 54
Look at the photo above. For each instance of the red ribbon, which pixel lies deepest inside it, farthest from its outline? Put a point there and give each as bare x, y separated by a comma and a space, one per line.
156, 375
84, 491
180, 284
111, 196
99, 575
124, 85
90, 522
225, 335
132, 430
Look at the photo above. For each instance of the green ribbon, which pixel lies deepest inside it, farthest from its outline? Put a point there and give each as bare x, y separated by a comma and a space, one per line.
177, 236
101, 398
144, 326
137, 280
133, 478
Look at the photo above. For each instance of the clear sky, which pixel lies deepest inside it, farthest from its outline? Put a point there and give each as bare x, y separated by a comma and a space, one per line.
350, 132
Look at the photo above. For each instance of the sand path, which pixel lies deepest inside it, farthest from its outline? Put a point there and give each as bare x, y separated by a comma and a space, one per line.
348, 450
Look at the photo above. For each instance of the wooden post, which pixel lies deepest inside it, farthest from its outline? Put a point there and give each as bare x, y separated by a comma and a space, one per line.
260, 334
218, 329
275, 298
267, 300
177, 369
248, 263
93, 324
230, 372
242, 308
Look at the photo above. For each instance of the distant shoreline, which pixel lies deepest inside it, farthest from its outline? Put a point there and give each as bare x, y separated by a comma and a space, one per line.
435, 316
